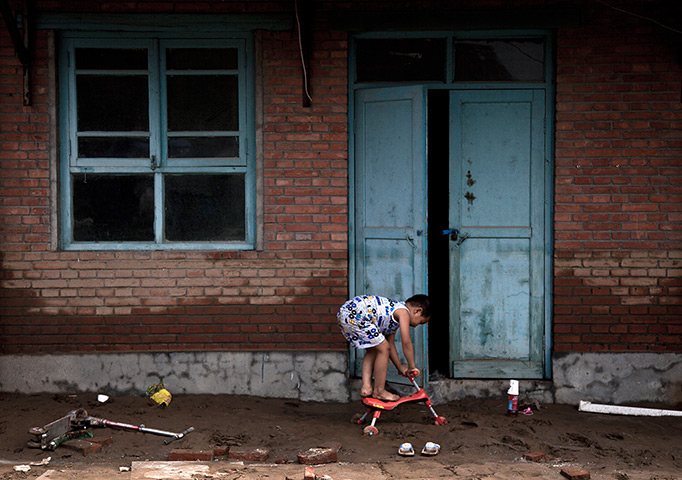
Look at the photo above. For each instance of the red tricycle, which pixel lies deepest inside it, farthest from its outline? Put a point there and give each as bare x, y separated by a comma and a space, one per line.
376, 406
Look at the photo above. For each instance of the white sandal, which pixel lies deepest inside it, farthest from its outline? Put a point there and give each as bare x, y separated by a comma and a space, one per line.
406, 450
431, 449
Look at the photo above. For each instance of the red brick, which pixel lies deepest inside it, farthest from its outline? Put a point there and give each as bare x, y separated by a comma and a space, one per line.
220, 451
102, 441
86, 447
252, 455
535, 457
189, 455
575, 473
319, 455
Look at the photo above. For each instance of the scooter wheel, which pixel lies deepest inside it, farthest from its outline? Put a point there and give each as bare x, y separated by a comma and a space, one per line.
371, 430
358, 419
37, 431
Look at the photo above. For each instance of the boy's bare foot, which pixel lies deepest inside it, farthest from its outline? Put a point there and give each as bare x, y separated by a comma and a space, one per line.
366, 391
386, 396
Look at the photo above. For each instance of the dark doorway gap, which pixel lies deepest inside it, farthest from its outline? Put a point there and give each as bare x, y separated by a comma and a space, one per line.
438, 261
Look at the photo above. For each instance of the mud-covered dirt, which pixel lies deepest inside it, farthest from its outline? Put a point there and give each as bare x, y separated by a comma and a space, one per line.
478, 433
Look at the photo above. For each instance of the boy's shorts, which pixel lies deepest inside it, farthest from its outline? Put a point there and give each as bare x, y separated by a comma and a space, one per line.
358, 332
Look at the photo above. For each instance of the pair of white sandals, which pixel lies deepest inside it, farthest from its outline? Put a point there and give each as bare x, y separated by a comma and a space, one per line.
406, 449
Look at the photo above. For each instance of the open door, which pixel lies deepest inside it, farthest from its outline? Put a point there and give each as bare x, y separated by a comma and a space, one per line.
390, 203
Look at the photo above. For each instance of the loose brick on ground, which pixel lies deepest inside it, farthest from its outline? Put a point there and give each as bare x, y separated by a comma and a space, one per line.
319, 455
102, 441
575, 473
309, 474
220, 451
86, 447
189, 455
535, 457
252, 455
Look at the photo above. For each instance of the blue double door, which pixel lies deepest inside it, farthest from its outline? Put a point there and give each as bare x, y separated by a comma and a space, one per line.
496, 253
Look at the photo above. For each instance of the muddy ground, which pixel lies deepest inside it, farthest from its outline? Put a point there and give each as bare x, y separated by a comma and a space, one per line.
478, 434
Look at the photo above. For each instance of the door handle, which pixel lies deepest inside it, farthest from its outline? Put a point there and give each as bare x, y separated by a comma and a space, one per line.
461, 239
410, 240
453, 232
455, 235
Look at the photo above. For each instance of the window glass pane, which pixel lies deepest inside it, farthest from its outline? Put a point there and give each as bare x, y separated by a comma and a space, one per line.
203, 147
400, 60
203, 103
201, 59
109, 208
499, 60
110, 147
151, 95
111, 59
205, 207
112, 103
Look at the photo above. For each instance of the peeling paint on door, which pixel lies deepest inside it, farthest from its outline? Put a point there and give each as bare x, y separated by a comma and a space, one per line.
389, 213
497, 143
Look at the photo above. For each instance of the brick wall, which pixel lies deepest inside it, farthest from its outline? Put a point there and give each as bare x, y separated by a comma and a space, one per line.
284, 297
618, 214
618, 185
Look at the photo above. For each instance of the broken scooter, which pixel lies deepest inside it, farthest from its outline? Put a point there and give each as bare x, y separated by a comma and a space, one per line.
76, 424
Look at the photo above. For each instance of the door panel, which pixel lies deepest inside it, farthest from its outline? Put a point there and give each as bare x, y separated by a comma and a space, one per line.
389, 267
390, 205
485, 332
497, 258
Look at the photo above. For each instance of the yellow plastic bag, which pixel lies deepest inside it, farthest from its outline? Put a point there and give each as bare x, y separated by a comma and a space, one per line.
159, 396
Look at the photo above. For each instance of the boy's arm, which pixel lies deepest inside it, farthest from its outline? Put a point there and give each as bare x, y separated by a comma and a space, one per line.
408, 350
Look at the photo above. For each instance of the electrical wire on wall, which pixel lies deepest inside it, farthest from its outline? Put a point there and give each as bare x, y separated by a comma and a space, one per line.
627, 12
306, 80
647, 19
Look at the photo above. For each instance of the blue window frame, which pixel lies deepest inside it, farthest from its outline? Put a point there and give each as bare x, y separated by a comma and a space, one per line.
157, 136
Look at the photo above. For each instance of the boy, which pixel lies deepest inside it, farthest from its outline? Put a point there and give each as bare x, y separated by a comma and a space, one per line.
370, 322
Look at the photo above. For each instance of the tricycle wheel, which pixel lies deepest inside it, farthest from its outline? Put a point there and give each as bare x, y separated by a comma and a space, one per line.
440, 421
371, 430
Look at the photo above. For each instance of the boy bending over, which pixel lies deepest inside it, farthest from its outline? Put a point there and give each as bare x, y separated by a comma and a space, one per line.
371, 322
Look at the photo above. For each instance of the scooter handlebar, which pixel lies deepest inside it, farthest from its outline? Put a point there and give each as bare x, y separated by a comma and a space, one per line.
178, 436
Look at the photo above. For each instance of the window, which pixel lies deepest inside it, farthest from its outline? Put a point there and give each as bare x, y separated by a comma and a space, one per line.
400, 60
451, 58
499, 60
155, 142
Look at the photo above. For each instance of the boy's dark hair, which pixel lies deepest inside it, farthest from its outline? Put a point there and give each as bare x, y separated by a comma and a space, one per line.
421, 301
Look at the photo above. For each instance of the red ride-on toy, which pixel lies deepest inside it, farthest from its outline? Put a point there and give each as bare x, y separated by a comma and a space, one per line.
376, 406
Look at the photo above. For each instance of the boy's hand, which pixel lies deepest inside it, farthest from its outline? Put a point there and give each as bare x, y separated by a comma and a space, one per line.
408, 372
